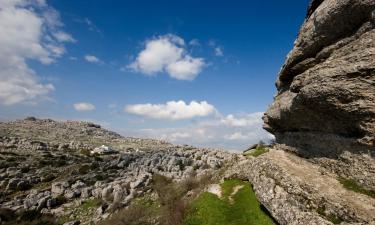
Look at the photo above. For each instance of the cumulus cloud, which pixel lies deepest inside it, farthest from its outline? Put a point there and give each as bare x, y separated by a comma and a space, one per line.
242, 121
185, 69
30, 29
83, 106
167, 54
92, 59
211, 132
172, 110
236, 136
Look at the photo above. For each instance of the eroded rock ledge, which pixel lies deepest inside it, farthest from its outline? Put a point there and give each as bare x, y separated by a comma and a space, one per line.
296, 191
325, 106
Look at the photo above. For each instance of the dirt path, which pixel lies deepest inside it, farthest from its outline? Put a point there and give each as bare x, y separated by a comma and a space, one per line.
215, 189
235, 190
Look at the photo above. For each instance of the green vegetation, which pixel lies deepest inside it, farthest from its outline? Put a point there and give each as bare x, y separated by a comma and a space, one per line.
256, 152
26, 217
92, 203
86, 210
330, 217
170, 206
354, 186
142, 211
239, 208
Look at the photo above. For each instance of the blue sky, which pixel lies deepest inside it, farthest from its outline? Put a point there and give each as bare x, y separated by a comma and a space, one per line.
194, 72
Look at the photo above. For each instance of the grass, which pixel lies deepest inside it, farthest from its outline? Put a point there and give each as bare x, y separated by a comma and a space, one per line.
354, 186
86, 210
257, 152
142, 211
209, 209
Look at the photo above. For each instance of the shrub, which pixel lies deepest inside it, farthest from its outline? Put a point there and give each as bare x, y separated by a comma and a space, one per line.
84, 169
99, 177
25, 169
170, 194
353, 186
257, 152
26, 217
85, 152
135, 214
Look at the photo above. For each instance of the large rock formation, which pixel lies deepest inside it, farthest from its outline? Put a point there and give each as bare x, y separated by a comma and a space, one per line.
325, 106
322, 171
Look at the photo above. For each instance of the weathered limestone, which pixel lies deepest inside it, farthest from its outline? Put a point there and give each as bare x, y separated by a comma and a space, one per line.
325, 106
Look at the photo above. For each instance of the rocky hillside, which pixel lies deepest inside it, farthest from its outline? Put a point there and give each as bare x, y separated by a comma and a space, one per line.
322, 171
70, 135
46, 167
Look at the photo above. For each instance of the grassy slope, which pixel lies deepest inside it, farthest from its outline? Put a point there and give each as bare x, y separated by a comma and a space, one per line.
209, 209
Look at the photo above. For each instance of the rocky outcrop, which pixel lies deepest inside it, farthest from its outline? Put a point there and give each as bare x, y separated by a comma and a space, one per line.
299, 192
52, 174
325, 106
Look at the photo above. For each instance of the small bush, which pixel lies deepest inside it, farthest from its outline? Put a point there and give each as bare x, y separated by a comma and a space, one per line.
25, 169
84, 169
61, 199
136, 214
85, 152
257, 152
332, 218
353, 186
173, 206
99, 177
26, 217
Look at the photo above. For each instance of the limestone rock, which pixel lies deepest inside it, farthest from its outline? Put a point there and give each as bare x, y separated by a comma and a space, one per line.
325, 106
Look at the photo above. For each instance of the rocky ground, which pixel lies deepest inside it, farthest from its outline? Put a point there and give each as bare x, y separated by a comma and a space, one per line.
46, 166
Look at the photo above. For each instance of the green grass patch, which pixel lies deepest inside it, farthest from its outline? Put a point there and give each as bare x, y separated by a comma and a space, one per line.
91, 203
86, 210
256, 152
354, 186
244, 209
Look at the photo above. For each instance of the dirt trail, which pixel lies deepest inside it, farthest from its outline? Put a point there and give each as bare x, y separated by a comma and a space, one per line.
235, 190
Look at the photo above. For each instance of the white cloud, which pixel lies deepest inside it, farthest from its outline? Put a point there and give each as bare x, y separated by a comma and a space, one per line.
218, 51
236, 136
83, 106
211, 132
92, 59
194, 42
172, 110
242, 121
167, 54
29, 30
63, 37
185, 69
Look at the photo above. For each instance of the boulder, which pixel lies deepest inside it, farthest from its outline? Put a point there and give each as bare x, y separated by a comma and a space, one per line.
58, 188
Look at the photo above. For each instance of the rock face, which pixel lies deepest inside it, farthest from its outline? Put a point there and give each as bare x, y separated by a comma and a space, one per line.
325, 106
296, 191
323, 118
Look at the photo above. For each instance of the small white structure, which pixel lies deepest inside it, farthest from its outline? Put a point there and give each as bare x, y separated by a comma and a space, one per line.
103, 150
